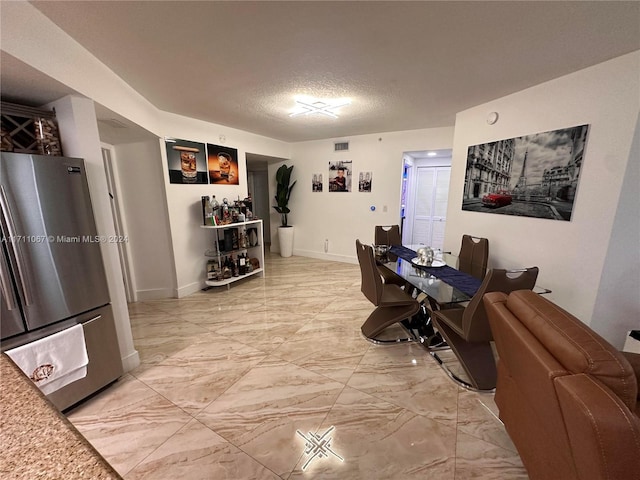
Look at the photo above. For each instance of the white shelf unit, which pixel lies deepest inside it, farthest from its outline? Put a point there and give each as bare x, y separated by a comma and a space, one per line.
256, 251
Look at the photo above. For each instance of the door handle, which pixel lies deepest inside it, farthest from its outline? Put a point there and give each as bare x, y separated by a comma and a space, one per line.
11, 240
91, 320
5, 283
5, 278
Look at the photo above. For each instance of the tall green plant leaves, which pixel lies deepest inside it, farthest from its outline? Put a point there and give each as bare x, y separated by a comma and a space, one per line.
283, 191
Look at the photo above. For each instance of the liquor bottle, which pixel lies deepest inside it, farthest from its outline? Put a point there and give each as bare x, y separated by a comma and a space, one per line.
206, 210
225, 211
226, 271
215, 206
242, 241
212, 270
242, 264
210, 219
234, 232
234, 267
213, 214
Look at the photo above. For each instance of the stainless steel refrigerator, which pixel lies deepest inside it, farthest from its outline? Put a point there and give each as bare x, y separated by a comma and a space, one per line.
51, 269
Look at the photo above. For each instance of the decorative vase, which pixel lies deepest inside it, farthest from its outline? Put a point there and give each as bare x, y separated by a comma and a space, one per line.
285, 235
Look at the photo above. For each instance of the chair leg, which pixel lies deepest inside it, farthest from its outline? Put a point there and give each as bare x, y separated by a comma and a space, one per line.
383, 317
380, 341
433, 340
475, 357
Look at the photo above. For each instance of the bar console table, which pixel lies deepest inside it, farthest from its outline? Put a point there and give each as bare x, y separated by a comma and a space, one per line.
231, 241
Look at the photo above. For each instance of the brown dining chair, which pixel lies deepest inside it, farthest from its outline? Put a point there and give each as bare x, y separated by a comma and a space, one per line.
392, 303
467, 332
388, 235
474, 255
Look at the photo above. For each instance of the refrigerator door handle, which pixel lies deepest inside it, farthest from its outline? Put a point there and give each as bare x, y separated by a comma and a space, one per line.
5, 284
11, 239
6, 287
91, 320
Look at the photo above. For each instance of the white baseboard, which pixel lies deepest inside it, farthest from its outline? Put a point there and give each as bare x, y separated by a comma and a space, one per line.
189, 289
154, 294
326, 256
130, 361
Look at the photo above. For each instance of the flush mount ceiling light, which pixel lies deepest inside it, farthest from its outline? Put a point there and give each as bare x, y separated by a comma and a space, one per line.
308, 106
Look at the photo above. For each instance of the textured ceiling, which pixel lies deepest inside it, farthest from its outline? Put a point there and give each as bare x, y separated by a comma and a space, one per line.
405, 65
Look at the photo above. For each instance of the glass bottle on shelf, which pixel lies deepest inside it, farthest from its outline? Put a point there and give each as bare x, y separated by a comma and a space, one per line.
242, 241
234, 267
213, 217
215, 205
234, 232
226, 271
242, 262
225, 211
207, 211
212, 271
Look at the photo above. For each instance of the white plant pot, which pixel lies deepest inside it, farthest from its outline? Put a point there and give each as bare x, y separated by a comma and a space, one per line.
285, 234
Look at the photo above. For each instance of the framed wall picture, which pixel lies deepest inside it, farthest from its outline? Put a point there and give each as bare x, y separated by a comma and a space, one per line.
187, 161
316, 182
222, 163
534, 175
340, 176
364, 181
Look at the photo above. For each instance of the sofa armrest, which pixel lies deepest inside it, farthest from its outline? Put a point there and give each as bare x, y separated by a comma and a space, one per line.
604, 434
634, 360
494, 297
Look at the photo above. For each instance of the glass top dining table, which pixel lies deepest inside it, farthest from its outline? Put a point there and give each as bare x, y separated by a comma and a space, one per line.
435, 288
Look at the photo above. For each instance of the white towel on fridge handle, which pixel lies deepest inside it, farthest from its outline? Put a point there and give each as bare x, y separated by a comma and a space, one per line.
54, 361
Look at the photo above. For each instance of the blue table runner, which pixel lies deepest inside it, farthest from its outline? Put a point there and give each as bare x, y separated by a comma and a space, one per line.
457, 279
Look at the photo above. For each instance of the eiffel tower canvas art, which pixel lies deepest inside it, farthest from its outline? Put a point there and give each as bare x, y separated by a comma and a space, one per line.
534, 175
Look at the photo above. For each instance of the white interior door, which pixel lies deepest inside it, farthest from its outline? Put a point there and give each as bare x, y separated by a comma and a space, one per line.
430, 209
118, 223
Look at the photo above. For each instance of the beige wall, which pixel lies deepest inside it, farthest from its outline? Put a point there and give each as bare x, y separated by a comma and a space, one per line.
341, 217
571, 255
617, 306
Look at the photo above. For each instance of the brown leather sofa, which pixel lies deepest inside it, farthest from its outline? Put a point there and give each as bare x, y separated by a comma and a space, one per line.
568, 399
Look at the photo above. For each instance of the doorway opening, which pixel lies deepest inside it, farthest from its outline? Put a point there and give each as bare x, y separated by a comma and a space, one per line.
425, 194
258, 186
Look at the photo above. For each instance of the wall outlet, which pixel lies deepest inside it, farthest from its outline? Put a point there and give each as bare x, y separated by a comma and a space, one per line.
384, 208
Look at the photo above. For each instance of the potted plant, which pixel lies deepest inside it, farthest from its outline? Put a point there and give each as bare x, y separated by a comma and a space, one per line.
283, 193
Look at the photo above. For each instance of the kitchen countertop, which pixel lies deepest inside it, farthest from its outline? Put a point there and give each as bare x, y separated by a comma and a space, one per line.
36, 440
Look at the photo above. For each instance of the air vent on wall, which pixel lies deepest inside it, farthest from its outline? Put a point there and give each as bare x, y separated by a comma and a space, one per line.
340, 146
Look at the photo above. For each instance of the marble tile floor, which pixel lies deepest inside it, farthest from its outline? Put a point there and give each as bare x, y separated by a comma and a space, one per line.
231, 380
